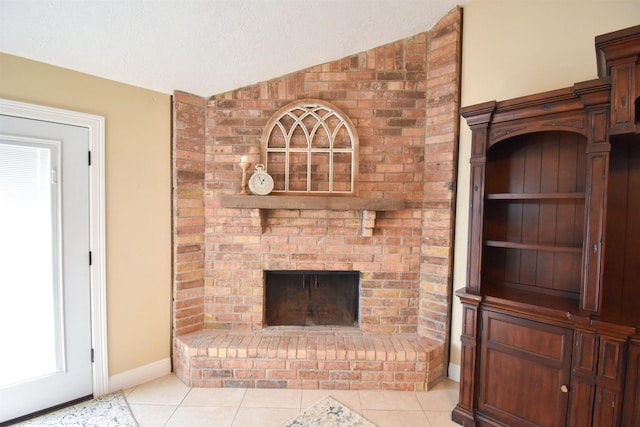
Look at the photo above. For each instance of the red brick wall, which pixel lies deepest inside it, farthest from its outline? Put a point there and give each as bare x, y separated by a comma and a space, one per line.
441, 157
188, 212
403, 103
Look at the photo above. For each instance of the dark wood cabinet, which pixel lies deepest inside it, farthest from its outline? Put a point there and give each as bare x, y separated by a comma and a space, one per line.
551, 309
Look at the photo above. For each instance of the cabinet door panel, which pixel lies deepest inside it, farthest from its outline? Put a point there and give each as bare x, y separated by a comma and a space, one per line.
610, 362
631, 406
524, 366
580, 415
606, 411
534, 339
585, 360
609, 382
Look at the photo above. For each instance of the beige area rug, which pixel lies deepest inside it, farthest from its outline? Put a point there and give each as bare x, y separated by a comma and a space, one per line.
328, 413
110, 410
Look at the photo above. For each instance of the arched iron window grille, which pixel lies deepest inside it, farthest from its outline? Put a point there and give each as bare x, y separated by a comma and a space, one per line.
311, 147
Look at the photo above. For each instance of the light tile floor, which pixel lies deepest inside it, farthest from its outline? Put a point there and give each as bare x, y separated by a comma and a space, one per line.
168, 402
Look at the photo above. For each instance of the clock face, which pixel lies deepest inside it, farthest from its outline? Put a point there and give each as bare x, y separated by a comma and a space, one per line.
261, 183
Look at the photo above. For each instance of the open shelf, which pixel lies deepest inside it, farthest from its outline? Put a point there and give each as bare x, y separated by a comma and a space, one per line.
560, 306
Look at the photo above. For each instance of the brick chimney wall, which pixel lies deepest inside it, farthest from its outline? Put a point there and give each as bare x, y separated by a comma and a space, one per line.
403, 99
188, 156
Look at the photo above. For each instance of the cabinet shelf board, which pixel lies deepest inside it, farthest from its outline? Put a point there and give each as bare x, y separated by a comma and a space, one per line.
532, 246
534, 196
507, 296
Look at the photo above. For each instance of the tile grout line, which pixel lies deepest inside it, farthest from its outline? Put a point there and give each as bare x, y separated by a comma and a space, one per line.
233, 420
178, 406
360, 402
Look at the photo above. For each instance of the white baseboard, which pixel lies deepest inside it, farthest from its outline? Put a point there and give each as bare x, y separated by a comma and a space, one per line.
454, 372
139, 375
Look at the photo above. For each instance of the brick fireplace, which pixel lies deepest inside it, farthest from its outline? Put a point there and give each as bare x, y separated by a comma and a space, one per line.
403, 100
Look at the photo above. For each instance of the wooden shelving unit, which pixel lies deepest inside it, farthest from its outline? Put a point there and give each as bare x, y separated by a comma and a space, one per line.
551, 308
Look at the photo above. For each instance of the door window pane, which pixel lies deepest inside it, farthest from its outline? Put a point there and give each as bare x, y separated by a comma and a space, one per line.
30, 294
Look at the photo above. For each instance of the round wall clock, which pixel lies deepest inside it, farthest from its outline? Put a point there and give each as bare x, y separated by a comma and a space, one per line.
260, 182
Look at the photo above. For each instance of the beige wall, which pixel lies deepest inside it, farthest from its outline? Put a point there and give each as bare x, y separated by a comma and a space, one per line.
138, 198
515, 48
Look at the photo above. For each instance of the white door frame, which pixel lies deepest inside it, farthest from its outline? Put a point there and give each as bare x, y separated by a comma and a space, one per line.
95, 124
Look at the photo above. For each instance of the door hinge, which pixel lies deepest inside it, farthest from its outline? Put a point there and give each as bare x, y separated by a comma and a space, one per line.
89, 158
92, 356
90, 258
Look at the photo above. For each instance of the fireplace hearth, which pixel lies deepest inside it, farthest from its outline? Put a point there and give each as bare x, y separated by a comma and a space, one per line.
311, 298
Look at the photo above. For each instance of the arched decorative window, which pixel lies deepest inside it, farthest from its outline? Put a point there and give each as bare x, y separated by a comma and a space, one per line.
311, 147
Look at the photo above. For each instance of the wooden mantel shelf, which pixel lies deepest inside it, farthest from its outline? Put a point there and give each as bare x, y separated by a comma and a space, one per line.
261, 203
311, 202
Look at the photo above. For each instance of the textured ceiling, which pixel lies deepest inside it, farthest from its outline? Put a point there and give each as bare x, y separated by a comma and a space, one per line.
205, 46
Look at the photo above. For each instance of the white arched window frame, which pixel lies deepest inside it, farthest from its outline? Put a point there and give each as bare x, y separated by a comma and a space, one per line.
311, 147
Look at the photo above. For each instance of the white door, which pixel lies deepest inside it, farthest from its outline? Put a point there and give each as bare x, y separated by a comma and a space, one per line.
45, 282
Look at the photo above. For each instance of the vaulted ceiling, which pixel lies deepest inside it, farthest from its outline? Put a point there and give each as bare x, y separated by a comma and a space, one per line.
205, 46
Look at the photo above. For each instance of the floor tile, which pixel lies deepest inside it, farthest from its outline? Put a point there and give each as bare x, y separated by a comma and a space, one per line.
443, 397
214, 397
152, 415
351, 399
127, 391
168, 402
389, 400
397, 418
263, 417
166, 390
272, 398
440, 419
202, 416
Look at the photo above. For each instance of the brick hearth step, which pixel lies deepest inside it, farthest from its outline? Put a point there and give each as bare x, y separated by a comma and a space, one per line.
308, 357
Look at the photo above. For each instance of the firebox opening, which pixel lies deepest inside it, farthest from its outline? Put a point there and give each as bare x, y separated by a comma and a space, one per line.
308, 298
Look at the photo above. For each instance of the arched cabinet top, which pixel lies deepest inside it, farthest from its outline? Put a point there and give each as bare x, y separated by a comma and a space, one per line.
569, 109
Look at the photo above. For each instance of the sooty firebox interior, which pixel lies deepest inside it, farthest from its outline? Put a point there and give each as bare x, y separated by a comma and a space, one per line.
307, 298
